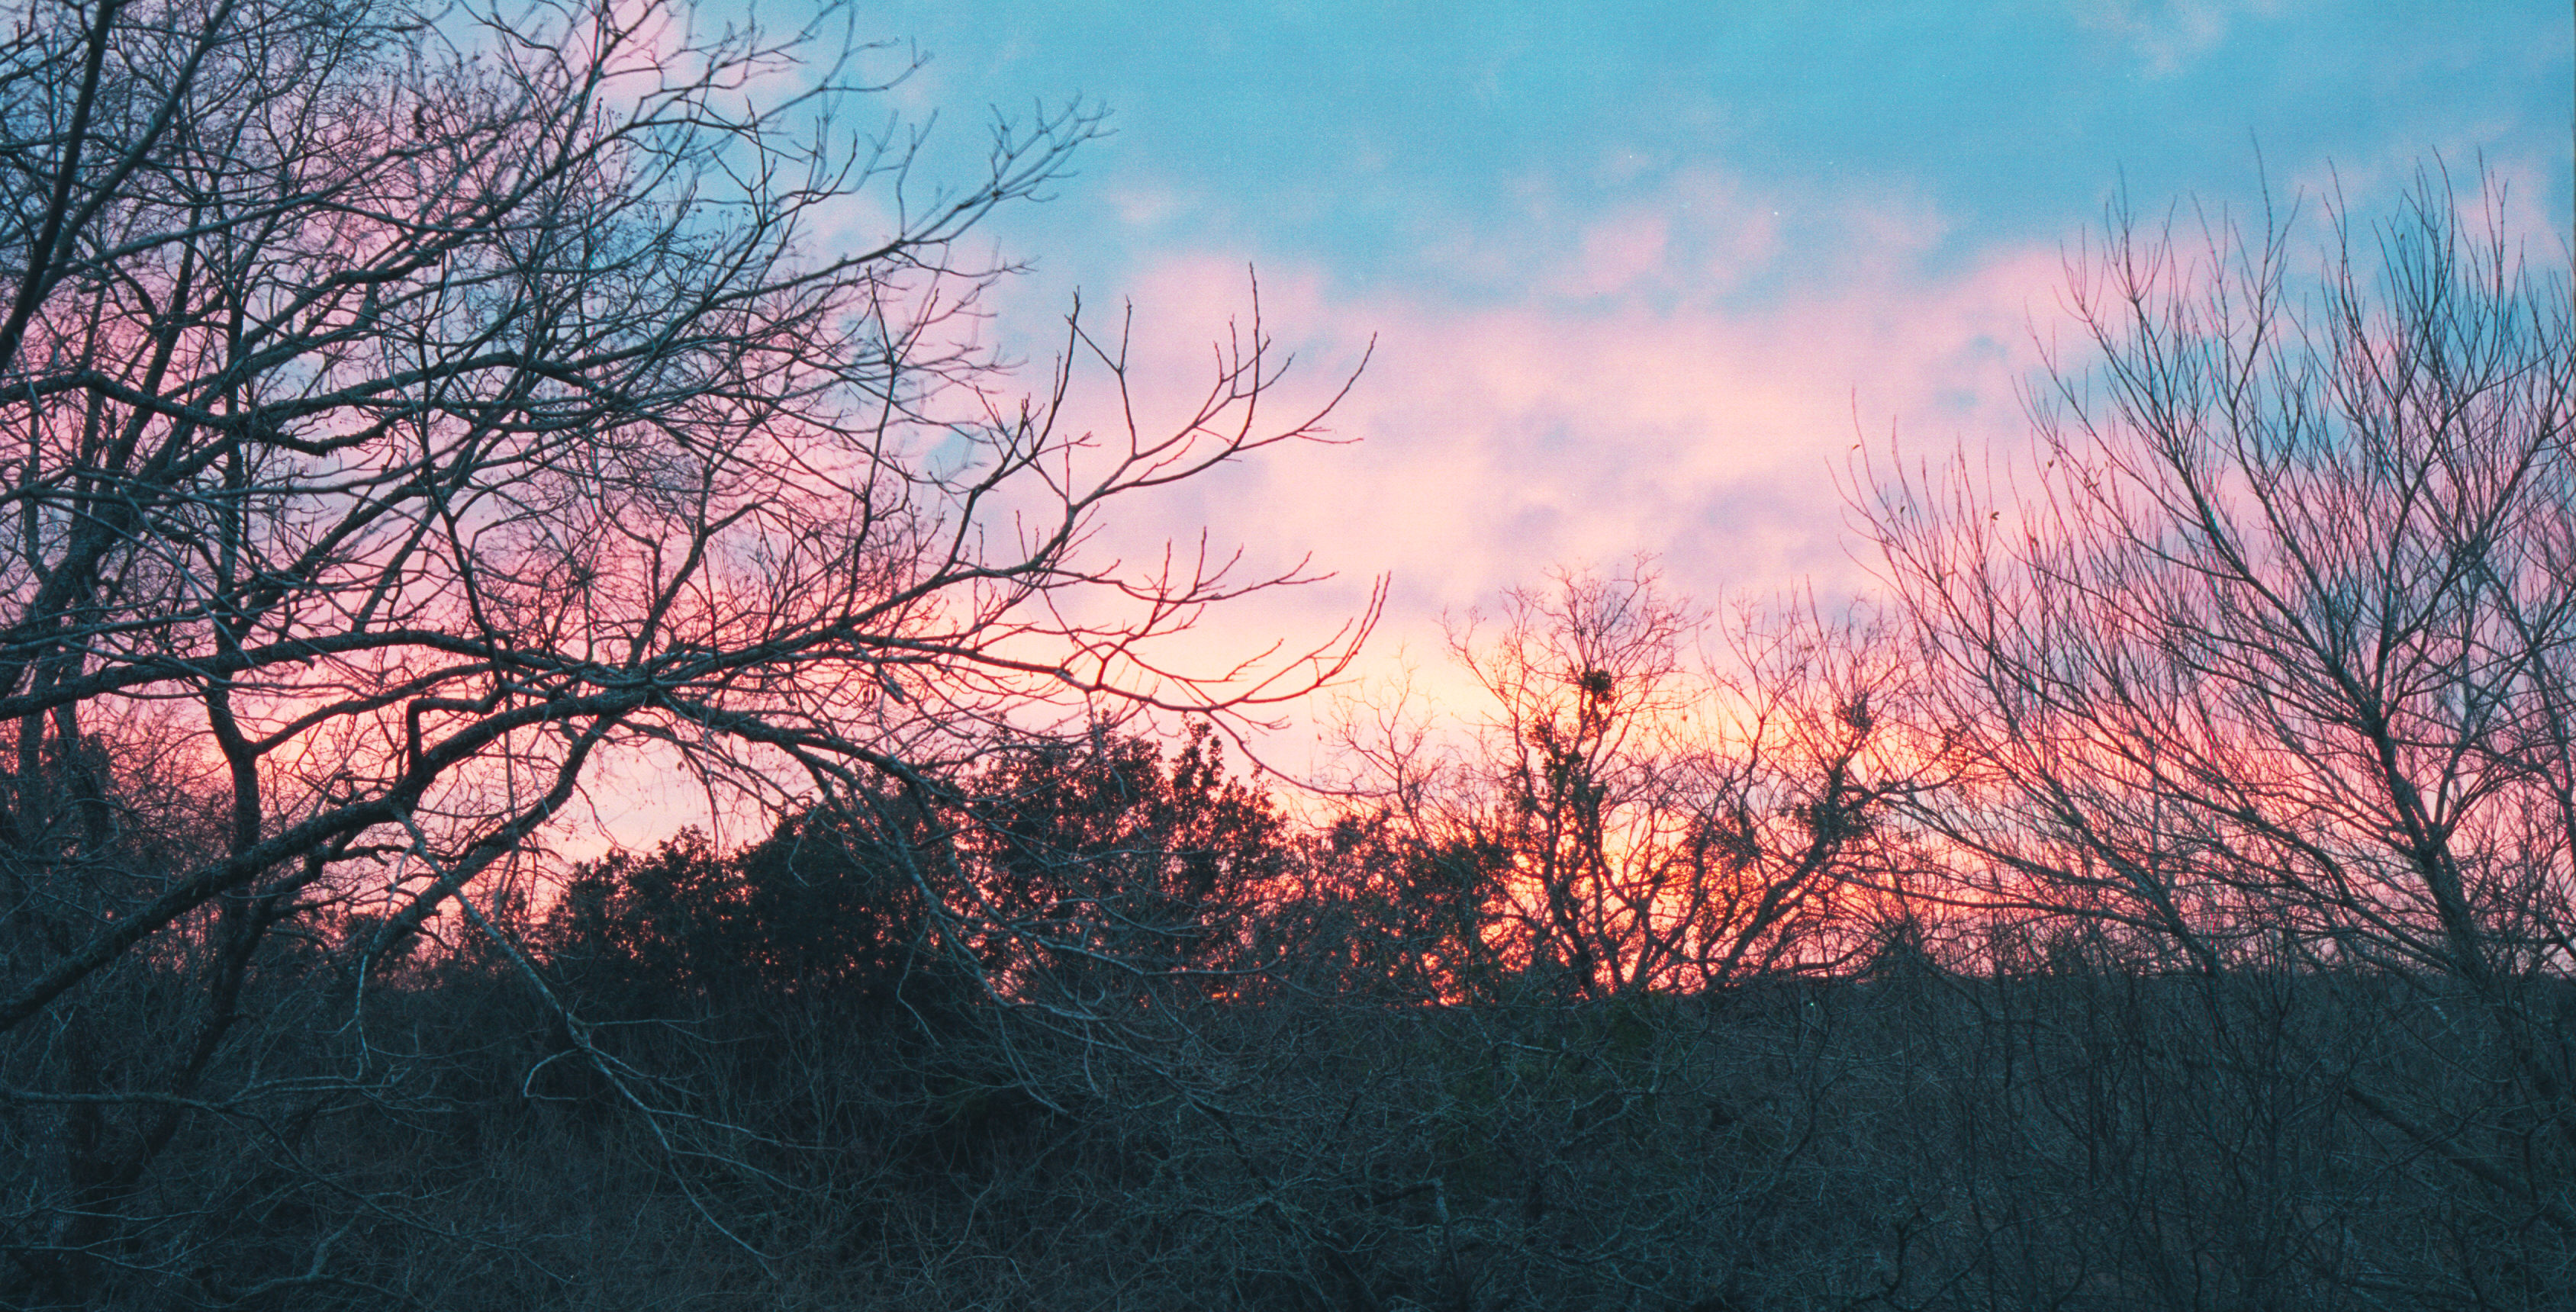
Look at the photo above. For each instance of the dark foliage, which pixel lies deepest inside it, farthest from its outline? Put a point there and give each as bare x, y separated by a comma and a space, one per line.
2170, 907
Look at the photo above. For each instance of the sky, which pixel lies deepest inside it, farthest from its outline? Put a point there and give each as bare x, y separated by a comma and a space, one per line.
1640, 276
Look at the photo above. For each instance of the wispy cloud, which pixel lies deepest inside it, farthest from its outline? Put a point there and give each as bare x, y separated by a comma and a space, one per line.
1638, 403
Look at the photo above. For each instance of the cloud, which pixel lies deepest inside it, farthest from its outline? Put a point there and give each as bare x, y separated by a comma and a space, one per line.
2168, 36
1637, 401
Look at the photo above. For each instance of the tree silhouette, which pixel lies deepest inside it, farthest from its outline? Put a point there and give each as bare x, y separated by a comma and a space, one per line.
413, 410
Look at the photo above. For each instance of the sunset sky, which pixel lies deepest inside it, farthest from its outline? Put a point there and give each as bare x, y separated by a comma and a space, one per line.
1641, 275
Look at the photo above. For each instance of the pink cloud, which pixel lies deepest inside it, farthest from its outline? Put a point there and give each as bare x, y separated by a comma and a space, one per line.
1627, 409
1617, 254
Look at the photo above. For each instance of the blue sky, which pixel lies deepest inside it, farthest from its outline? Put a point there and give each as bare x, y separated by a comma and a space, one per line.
1640, 275
1381, 141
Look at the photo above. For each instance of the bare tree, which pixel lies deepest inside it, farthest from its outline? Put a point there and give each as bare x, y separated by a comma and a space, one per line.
409, 411
2266, 664
1649, 819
